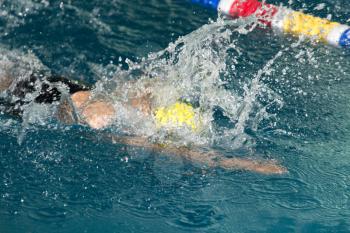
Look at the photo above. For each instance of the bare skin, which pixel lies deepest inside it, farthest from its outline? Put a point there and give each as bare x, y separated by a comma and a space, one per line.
210, 159
80, 98
99, 114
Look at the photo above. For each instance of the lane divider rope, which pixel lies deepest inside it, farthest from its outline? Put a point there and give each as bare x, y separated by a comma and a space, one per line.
285, 20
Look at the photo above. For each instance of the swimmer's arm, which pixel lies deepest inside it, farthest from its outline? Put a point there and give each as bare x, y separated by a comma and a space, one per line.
99, 114
209, 158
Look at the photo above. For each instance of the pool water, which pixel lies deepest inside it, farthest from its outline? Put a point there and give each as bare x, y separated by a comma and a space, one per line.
279, 97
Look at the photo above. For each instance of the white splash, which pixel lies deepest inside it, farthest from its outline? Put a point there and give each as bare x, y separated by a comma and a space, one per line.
194, 68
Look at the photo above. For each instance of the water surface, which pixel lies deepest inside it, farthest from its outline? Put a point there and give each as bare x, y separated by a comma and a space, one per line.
291, 103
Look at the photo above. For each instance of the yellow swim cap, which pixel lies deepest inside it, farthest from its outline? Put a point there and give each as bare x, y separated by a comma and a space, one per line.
176, 115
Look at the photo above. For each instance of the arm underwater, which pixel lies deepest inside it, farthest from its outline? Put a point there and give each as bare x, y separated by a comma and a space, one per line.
285, 20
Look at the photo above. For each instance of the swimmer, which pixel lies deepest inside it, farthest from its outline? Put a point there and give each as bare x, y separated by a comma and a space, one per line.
82, 107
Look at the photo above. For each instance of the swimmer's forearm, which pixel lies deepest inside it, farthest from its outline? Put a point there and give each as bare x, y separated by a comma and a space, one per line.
214, 159
209, 158
260, 166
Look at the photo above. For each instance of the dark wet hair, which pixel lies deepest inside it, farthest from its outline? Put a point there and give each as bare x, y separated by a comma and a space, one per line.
46, 88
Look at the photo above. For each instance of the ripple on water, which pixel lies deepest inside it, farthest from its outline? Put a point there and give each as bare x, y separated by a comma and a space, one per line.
324, 180
298, 202
138, 207
330, 188
197, 216
278, 186
232, 187
287, 193
50, 214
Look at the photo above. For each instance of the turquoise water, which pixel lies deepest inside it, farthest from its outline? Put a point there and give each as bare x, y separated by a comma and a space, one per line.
292, 105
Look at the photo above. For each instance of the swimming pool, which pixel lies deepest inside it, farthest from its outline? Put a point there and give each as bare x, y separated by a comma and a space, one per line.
293, 107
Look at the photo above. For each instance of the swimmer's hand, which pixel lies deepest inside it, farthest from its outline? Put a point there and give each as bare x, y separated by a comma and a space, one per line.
214, 159
264, 167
